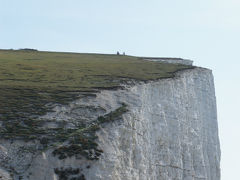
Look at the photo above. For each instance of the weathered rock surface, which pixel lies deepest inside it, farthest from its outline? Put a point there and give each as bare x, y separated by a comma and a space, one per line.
169, 133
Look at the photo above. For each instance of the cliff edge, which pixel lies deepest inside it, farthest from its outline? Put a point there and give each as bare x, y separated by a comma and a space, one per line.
159, 123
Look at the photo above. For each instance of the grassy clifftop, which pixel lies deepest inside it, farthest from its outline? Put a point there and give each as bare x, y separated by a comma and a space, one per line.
31, 82
74, 71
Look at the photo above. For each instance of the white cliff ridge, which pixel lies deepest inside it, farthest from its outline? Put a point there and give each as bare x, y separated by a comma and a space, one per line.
170, 132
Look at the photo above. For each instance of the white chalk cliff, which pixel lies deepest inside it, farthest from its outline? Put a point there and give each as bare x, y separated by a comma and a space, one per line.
170, 132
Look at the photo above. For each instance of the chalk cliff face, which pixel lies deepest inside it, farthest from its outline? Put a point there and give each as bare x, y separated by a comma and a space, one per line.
170, 132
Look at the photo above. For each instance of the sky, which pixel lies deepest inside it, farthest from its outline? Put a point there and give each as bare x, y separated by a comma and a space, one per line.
206, 31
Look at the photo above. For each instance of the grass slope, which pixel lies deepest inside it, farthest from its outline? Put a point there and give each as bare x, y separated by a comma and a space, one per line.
31, 82
73, 71
31, 79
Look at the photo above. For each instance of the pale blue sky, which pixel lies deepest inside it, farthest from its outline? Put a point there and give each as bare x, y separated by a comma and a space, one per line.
205, 31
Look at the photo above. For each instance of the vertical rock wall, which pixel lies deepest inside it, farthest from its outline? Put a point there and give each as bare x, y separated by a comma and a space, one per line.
170, 132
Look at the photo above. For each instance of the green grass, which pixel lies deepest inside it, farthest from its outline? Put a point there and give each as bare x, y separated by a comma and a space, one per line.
32, 82
31, 79
73, 71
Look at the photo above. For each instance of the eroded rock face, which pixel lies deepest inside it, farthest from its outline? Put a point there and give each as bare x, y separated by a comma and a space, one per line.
169, 132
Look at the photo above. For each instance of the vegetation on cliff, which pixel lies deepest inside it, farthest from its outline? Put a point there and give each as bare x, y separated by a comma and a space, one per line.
33, 82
